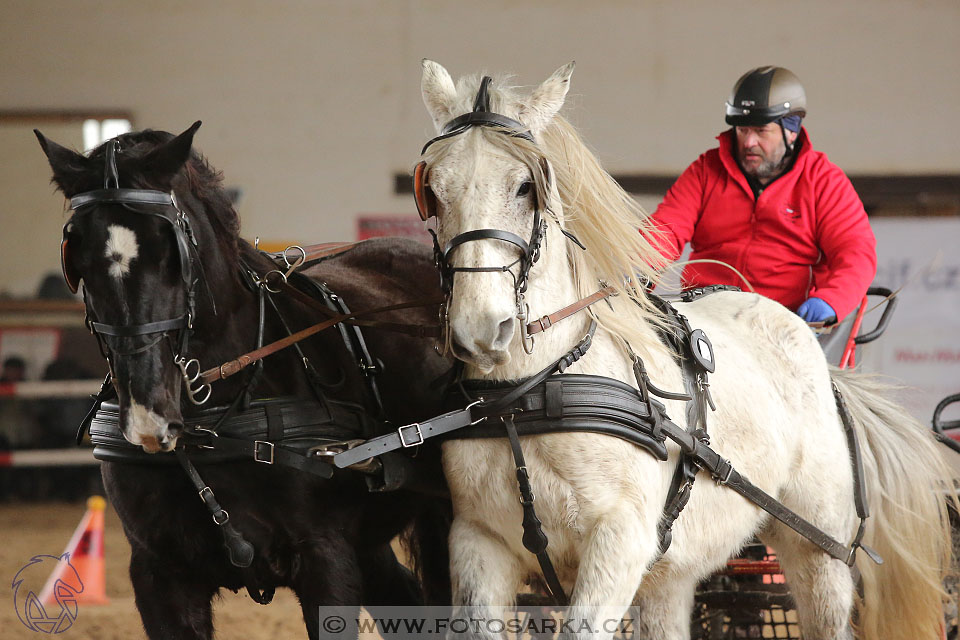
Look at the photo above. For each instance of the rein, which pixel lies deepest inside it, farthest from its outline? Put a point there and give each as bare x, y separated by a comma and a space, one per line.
232, 367
358, 318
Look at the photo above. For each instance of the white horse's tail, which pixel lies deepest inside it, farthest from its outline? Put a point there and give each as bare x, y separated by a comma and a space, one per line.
908, 487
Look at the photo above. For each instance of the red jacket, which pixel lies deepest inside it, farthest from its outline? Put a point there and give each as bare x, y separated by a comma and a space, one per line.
806, 235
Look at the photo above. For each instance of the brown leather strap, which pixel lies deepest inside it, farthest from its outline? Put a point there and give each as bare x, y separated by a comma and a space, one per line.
397, 327
228, 369
317, 251
546, 322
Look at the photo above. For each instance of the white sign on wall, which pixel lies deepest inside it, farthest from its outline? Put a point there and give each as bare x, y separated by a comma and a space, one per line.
921, 348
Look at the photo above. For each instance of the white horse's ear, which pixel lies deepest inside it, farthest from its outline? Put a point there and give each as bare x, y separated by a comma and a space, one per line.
547, 99
439, 92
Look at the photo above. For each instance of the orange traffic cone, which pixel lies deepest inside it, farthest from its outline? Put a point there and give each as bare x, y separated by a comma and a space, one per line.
84, 554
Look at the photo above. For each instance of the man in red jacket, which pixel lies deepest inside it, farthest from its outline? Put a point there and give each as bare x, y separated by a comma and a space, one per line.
768, 204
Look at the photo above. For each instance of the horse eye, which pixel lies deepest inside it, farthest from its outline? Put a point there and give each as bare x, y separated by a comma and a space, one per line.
524, 189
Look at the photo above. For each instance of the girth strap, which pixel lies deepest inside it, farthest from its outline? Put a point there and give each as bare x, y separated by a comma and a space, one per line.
859, 486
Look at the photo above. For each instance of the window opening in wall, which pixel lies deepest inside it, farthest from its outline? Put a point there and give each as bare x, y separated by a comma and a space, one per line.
96, 132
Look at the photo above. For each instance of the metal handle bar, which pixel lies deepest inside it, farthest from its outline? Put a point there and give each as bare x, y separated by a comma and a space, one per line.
891, 304
939, 425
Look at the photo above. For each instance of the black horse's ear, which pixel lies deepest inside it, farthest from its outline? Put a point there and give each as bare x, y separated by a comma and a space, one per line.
69, 167
168, 158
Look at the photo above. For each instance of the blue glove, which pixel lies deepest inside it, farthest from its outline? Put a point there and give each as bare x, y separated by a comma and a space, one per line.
816, 310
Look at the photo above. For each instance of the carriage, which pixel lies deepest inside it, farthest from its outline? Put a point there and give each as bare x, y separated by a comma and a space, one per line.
319, 447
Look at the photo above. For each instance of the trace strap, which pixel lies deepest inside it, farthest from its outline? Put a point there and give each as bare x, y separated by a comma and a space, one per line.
724, 474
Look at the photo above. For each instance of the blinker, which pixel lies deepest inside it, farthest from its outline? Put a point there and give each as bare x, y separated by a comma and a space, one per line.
70, 274
426, 203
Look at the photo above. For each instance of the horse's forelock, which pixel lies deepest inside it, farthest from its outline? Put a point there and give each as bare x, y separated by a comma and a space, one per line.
204, 182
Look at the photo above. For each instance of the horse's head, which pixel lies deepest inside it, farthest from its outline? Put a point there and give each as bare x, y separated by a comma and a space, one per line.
132, 243
488, 181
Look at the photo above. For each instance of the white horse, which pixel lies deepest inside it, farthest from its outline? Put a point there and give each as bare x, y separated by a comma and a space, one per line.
600, 497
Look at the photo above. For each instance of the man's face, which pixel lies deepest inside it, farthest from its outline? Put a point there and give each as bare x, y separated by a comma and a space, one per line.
760, 150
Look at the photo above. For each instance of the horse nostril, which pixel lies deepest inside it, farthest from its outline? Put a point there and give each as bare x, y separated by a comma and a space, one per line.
175, 430
504, 332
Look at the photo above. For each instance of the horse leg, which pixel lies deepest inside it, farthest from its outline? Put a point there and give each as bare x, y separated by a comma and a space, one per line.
387, 584
386, 581
485, 575
614, 559
330, 577
170, 606
663, 607
822, 589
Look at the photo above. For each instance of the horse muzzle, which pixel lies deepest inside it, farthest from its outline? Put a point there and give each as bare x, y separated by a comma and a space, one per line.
150, 430
483, 341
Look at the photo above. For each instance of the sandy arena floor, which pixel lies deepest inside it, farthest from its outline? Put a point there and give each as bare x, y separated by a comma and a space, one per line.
34, 529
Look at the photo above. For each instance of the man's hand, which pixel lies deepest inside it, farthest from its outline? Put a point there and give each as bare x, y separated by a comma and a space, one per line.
816, 310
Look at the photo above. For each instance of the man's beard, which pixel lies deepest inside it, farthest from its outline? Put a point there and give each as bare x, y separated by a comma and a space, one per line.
768, 168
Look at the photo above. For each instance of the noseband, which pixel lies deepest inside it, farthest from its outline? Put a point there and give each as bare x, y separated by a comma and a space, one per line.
169, 211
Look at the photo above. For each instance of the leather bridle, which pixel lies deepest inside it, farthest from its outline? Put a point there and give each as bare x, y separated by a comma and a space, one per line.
167, 209
481, 116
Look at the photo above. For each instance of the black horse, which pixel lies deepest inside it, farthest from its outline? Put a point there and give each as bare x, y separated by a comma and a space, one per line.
167, 280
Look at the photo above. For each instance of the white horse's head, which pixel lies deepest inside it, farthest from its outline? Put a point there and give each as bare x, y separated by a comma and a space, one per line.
504, 160
489, 178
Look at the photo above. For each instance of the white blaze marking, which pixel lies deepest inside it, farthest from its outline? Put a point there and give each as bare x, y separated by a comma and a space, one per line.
145, 427
121, 249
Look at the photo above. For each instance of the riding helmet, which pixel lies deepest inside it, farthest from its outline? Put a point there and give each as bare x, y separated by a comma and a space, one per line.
763, 95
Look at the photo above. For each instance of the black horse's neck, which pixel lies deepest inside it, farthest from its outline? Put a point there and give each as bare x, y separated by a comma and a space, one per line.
248, 317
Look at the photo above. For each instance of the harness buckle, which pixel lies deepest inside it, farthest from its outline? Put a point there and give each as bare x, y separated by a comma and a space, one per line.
724, 468
413, 442
470, 406
256, 451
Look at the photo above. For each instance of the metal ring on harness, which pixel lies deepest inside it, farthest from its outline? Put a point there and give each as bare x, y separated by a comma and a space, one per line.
265, 280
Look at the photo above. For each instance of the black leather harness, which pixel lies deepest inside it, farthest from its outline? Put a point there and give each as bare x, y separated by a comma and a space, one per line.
550, 403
